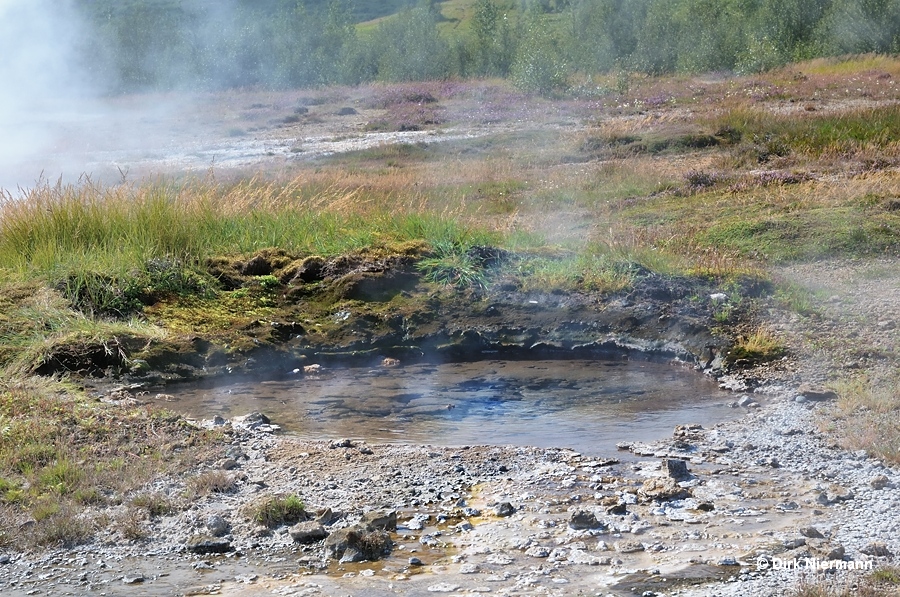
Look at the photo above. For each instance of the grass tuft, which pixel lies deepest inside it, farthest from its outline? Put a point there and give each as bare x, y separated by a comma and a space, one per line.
275, 511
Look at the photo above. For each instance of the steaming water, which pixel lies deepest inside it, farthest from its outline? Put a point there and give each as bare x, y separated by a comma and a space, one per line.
586, 405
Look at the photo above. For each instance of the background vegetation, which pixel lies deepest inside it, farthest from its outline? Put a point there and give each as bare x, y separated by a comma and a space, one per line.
541, 45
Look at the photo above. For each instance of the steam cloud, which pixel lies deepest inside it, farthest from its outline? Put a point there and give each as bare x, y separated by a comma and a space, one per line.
39, 82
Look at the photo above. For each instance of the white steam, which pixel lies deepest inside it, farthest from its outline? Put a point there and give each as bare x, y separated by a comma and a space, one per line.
40, 80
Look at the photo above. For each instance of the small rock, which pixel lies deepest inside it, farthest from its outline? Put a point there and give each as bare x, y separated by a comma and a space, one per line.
877, 549
133, 579
661, 490
811, 533
229, 464
217, 526
308, 532
675, 468
620, 509
578, 556
504, 509
582, 520
203, 544
414, 561
879, 482
442, 587
825, 550
5, 559
389, 362
340, 443
380, 520
468, 569
538, 551
629, 546
252, 420
817, 393
787, 506
727, 561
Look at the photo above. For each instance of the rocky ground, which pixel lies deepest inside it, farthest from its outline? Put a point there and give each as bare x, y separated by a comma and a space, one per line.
709, 511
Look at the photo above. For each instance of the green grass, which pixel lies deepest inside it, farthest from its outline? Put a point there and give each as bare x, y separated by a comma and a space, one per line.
842, 133
278, 510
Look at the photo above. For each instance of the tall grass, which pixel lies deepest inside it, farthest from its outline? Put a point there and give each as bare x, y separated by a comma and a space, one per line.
833, 134
54, 230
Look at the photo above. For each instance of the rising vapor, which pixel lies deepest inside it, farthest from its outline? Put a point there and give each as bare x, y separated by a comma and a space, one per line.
40, 81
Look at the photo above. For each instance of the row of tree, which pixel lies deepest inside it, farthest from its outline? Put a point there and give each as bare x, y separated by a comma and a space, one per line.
538, 44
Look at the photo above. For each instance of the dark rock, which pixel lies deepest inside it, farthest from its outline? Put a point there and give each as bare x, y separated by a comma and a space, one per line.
308, 532
582, 520
356, 543
706, 507
414, 561
229, 464
675, 468
617, 510
204, 544
505, 509
379, 520
814, 392
347, 111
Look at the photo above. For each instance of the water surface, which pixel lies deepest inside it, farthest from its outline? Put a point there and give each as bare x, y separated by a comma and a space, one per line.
587, 405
